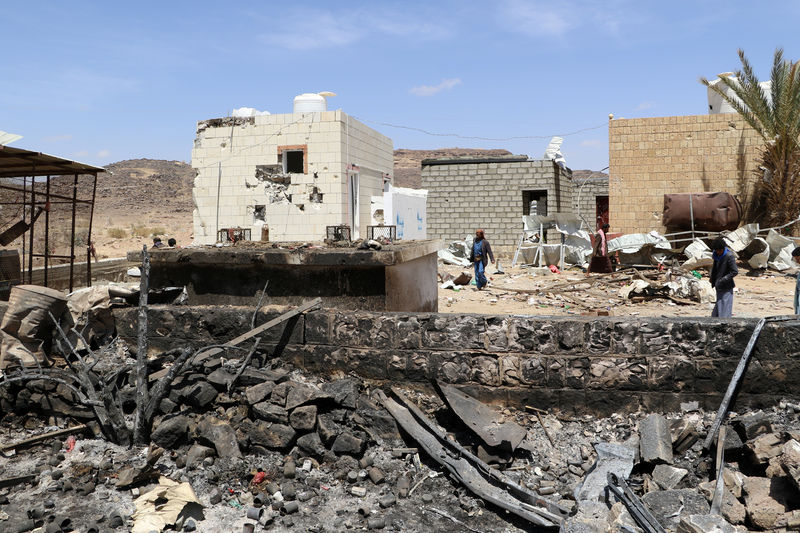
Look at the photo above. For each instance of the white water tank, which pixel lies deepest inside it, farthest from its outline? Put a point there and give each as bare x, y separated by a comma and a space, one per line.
310, 103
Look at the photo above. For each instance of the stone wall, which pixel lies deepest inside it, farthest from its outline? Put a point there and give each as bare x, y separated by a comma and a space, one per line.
463, 196
649, 157
571, 364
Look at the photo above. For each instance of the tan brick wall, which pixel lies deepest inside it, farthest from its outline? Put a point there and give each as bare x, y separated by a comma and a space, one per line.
650, 157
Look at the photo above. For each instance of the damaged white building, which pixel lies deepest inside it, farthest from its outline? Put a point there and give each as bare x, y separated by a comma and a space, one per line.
286, 177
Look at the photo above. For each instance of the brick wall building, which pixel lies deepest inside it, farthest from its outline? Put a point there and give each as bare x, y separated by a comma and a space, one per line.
294, 172
493, 194
650, 157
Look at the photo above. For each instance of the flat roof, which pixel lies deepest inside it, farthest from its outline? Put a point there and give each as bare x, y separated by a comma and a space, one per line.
255, 252
470, 159
19, 163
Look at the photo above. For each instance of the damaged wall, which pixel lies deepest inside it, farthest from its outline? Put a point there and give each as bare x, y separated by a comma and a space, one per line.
469, 194
650, 157
572, 364
286, 171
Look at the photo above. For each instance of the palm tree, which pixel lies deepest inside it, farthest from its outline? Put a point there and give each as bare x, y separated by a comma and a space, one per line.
776, 118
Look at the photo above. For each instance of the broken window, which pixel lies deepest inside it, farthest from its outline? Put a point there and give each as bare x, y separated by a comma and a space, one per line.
259, 213
315, 195
534, 202
293, 162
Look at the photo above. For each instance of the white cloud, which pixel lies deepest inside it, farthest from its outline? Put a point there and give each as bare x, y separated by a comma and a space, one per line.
429, 90
308, 29
592, 143
645, 105
81, 153
58, 138
103, 153
537, 18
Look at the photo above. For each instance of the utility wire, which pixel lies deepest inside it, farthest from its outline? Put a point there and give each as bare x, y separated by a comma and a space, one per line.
434, 134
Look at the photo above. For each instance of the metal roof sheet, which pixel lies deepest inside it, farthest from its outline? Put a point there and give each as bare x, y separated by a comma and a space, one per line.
17, 163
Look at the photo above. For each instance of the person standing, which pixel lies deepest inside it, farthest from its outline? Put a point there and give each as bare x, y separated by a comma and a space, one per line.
722, 273
796, 259
480, 255
601, 262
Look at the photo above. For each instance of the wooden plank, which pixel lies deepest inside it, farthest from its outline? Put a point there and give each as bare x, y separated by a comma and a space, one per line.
263, 327
716, 502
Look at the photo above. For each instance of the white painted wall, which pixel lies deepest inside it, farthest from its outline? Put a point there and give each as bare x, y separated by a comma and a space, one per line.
226, 157
406, 209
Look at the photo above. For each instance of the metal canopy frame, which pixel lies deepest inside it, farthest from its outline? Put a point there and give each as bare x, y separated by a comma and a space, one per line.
18, 164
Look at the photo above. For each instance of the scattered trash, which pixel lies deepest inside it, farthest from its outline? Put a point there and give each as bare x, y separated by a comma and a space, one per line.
161, 506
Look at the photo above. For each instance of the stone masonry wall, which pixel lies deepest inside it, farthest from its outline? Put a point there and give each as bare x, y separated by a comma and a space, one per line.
649, 157
570, 364
466, 196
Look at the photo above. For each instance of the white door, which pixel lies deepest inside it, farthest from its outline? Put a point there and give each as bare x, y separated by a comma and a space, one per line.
354, 208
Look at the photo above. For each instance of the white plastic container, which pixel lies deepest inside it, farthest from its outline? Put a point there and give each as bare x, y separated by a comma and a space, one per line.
310, 103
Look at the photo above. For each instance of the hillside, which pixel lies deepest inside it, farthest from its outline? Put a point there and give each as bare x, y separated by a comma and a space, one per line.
407, 169
139, 183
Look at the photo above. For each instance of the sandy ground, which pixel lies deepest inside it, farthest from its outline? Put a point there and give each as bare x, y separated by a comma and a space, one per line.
766, 295
769, 294
177, 225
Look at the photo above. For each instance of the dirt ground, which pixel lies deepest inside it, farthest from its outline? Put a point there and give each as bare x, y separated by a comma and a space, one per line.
769, 294
173, 224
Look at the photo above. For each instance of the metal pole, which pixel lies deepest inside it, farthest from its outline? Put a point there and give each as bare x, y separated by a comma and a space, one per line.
219, 185
89, 237
30, 230
24, 208
72, 233
47, 231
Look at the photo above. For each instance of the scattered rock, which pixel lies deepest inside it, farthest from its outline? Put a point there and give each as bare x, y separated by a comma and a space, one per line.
221, 435
272, 436
258, 393
699, 523
654, 440
196, 454
667, 476
270, 412
347, 443
303, 418
670, 506
171, 431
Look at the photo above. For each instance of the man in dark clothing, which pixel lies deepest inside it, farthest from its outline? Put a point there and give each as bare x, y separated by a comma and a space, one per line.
722, 274
480, 255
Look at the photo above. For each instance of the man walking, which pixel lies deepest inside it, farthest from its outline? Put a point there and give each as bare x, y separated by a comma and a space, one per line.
722, 274
480, 255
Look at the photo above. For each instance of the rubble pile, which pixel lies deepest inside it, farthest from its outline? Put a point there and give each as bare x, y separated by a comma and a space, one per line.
285, 451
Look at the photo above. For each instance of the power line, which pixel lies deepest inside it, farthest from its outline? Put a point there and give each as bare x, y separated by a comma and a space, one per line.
474, 137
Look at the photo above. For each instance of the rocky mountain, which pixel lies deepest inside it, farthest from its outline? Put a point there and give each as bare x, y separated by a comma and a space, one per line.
145, 183
407, 163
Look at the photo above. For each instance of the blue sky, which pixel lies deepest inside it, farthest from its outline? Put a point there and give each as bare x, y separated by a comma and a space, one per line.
106, 81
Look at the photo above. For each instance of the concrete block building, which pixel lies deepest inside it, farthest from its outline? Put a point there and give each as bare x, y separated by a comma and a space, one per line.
287, 175
494, 192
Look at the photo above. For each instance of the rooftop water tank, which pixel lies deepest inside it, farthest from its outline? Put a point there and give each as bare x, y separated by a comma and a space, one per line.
310, 103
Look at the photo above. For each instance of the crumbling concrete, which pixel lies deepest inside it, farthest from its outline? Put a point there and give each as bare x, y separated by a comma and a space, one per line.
398, 277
